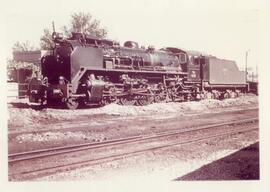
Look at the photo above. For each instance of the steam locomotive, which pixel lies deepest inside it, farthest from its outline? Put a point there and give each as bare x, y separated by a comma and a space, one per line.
83, 69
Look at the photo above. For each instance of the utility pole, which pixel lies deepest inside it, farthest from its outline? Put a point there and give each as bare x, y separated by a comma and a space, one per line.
246, 64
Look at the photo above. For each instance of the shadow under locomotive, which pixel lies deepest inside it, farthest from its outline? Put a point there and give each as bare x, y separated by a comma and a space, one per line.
55, 105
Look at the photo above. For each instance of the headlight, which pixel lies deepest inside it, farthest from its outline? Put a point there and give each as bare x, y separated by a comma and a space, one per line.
57, 35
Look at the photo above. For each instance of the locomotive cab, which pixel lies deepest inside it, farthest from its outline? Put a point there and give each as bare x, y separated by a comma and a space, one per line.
194, 68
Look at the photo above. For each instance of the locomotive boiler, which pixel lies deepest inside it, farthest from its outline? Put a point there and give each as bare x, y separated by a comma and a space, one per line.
84, 69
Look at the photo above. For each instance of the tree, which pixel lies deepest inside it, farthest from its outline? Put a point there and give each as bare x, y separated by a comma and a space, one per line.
46, 41
80, 23
23, 46
84, 23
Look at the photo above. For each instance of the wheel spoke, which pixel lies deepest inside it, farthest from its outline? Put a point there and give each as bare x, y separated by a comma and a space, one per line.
145, 100
127, 100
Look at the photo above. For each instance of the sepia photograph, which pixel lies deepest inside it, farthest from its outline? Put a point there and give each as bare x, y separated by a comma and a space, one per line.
124, 91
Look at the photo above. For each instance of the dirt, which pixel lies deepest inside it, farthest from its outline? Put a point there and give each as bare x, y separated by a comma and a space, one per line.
43, 128
49, 136
55, 127
22, 115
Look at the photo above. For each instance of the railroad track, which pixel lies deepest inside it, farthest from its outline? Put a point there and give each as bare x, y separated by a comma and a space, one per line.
30, 156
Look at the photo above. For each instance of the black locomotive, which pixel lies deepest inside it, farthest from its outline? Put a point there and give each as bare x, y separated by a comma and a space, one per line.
84, 69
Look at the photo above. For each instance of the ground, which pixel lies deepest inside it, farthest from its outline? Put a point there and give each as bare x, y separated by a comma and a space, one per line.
55, 127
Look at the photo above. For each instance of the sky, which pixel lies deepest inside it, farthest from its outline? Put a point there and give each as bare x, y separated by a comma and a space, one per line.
226, 29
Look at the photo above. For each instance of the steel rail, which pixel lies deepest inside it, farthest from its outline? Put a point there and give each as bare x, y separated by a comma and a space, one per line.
22, 156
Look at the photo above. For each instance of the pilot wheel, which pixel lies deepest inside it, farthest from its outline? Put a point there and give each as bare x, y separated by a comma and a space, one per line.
72, 103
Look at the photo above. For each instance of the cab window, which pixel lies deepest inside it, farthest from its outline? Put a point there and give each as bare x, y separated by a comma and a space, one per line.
182, 58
